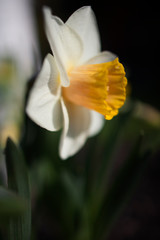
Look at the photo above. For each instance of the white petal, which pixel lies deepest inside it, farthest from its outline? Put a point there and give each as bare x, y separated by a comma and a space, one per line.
102, 57
83, 22
97, 122
65, 44
44, 106
76, 129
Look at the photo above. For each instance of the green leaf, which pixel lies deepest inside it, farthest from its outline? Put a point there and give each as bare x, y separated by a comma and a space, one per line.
73, 189
20, 227
11, 204
107, 142
121, 189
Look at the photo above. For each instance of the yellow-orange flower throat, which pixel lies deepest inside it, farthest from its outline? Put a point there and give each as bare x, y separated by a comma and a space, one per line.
100, 87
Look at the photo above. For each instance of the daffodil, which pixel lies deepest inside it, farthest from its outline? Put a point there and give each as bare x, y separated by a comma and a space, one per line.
19, 41
18, 51
78, 86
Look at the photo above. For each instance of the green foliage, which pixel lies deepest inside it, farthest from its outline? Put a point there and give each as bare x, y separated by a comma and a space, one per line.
19, 227
82, 197
118, 193
11, 204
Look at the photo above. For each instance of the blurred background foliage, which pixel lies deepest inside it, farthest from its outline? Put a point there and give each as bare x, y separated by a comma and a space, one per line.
110, 189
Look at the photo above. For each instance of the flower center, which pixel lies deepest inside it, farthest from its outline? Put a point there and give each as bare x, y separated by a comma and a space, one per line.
100, 87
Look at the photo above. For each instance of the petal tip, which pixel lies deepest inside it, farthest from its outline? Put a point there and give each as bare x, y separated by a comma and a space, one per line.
46, 10
63, 156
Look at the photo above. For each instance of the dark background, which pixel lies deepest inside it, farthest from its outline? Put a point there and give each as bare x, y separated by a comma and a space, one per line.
131, 31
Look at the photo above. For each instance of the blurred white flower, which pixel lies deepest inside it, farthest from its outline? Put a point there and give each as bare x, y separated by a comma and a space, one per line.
19, 58
18, 35
77, 86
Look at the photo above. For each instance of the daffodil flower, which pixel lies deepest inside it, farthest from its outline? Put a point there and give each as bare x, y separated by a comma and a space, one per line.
78, 86
18, 52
